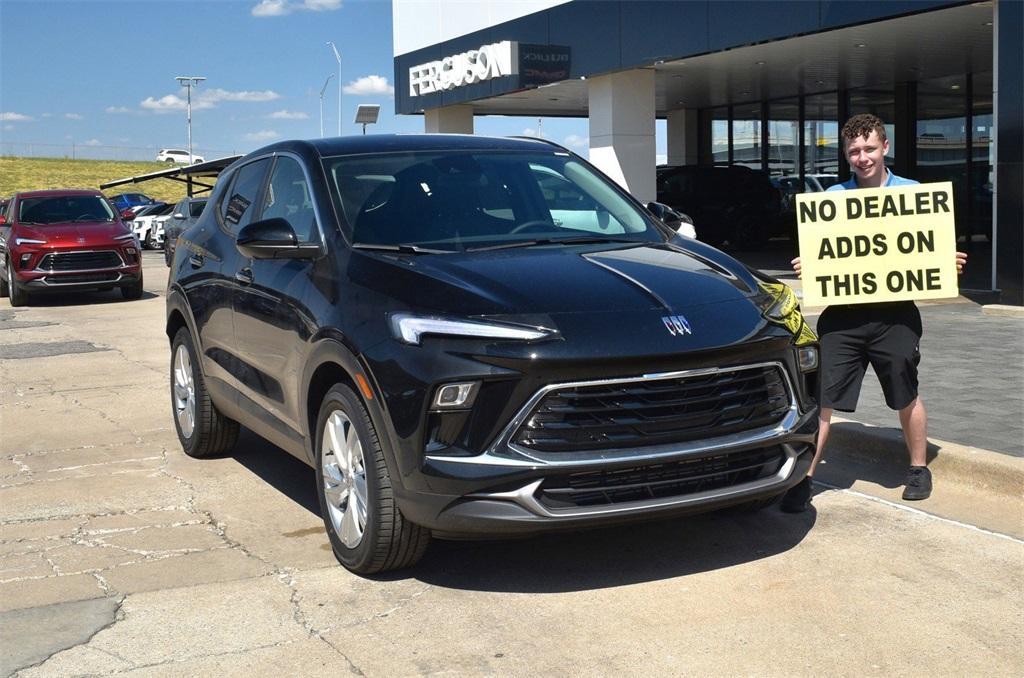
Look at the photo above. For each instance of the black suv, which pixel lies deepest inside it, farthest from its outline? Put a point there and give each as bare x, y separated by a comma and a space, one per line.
468, 336
735, 204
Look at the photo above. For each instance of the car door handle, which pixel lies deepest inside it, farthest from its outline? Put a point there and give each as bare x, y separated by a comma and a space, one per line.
244, 276
196, 260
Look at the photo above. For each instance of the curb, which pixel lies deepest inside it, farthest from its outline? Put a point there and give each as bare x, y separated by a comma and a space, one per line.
993, 472
1003, 310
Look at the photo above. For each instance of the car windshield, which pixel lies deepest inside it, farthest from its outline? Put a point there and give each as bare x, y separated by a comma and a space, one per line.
56, 210
454, 201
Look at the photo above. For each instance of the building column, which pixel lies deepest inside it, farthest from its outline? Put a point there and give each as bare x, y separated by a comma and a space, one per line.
1008, 105
457, 119
622, 130
682, 126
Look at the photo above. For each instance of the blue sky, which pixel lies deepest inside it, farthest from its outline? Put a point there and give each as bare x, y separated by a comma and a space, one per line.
100, 75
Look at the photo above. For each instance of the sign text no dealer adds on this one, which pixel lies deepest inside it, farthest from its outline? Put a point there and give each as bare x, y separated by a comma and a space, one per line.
877, 244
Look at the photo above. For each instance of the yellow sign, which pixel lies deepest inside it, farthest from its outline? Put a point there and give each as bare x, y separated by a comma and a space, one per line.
877, 244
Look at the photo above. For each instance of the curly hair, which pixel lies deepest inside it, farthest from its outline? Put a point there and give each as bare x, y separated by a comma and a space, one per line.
861, 126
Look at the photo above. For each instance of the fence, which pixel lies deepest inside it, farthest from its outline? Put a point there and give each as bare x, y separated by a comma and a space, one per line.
86, 151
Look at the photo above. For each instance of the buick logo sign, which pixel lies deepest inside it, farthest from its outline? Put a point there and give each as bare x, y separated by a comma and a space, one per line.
676, 325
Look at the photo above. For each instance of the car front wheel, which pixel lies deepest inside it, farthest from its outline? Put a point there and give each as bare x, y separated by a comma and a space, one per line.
133, 291
368, 532
202, 429
18, 296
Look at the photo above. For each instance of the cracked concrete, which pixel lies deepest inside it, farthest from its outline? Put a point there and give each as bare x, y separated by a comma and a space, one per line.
120, 556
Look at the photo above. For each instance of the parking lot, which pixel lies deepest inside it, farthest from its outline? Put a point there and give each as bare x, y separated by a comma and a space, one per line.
120, 555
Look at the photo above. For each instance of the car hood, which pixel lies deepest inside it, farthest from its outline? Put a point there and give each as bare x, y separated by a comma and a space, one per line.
552, 281
74, 233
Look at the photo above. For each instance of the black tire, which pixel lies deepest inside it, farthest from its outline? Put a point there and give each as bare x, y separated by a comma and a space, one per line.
17, 296
4, 290
212, 433
167, 253
149, 243
754, 506
388, 540
133, 291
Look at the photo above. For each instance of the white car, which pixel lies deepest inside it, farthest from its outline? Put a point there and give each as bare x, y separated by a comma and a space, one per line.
177, 155
145, 226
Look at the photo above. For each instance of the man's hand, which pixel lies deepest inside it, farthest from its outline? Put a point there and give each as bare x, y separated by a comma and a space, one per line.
797, 268
961, 261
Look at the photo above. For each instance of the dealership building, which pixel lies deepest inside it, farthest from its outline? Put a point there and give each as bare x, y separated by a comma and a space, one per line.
739, 82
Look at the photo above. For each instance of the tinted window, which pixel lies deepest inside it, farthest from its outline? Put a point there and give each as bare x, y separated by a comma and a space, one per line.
458, 200
196, 208
64, 209
239, 202
288, 198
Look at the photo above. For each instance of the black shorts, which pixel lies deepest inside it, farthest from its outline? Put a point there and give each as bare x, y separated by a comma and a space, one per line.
888, 336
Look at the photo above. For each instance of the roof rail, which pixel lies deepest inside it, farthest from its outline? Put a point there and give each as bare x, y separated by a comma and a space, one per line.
549, 142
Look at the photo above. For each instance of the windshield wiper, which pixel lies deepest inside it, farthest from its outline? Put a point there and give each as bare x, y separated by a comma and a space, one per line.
581, 240
403, 249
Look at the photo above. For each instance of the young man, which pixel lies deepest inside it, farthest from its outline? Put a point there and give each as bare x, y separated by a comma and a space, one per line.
886, 335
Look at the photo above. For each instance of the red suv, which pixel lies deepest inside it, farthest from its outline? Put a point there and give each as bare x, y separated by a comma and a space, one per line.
66, 240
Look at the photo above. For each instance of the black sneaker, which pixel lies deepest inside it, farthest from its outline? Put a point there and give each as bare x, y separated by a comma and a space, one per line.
798, 498
919, 483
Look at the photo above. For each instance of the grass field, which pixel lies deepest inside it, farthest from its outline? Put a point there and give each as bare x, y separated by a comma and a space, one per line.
23, 174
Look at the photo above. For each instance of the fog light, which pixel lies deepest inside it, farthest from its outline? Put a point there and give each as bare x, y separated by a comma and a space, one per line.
130, 250
24, 259
455, 396
807, 358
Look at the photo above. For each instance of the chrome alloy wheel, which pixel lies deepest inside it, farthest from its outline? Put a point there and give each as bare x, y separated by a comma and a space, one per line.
184, 392
344, 478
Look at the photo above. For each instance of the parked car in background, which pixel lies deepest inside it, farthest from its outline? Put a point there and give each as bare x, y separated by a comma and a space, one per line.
790, 186
185, 213
177, 155
476, 337
732, 204
66, 240
124, 201
143, 225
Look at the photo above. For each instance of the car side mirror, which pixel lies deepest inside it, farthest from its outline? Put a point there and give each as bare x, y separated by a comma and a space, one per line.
273, 239
669, 216
179, 215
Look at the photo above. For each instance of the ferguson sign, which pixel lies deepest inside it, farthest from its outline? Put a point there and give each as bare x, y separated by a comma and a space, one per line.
476, 65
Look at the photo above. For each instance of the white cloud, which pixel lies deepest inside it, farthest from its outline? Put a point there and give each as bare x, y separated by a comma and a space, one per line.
371, 84
531, 132
171, 103
660, 159
215, 95
118, 109
73, 116
262, 135
269, 8
14, 117
288, 115
92, 142
576, 141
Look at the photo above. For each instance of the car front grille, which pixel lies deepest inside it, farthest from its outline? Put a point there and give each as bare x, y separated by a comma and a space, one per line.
79, 261
660, 481
647, 412
81, 278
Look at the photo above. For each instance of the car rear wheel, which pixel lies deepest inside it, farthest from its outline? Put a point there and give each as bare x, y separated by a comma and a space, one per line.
368, 532
202, 429
18, 296
133, 291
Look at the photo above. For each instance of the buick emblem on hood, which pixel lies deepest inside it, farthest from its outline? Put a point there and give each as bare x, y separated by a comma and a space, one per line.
676, 325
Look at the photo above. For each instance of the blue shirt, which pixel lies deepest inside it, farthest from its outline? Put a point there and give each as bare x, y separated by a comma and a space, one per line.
851, 183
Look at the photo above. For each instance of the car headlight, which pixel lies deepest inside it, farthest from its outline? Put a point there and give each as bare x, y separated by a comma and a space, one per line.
409, 328
784, 309
28, 241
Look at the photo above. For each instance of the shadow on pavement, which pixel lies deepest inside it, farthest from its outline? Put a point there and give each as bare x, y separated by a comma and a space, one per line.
868, 453
90, 298
570, 561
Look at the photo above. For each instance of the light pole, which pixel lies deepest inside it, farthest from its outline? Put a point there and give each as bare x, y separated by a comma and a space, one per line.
322, 90
338, 57
187, 81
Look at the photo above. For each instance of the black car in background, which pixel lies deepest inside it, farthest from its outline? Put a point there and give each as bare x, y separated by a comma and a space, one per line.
186, 212
734, 204
467, 336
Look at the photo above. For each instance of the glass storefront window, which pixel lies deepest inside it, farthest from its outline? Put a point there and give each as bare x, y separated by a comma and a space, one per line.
746, 135
942, 138
982, 176
720, 136
821, 136
784, 137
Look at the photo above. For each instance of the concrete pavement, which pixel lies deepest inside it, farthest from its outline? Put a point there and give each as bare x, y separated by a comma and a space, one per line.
120, 555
